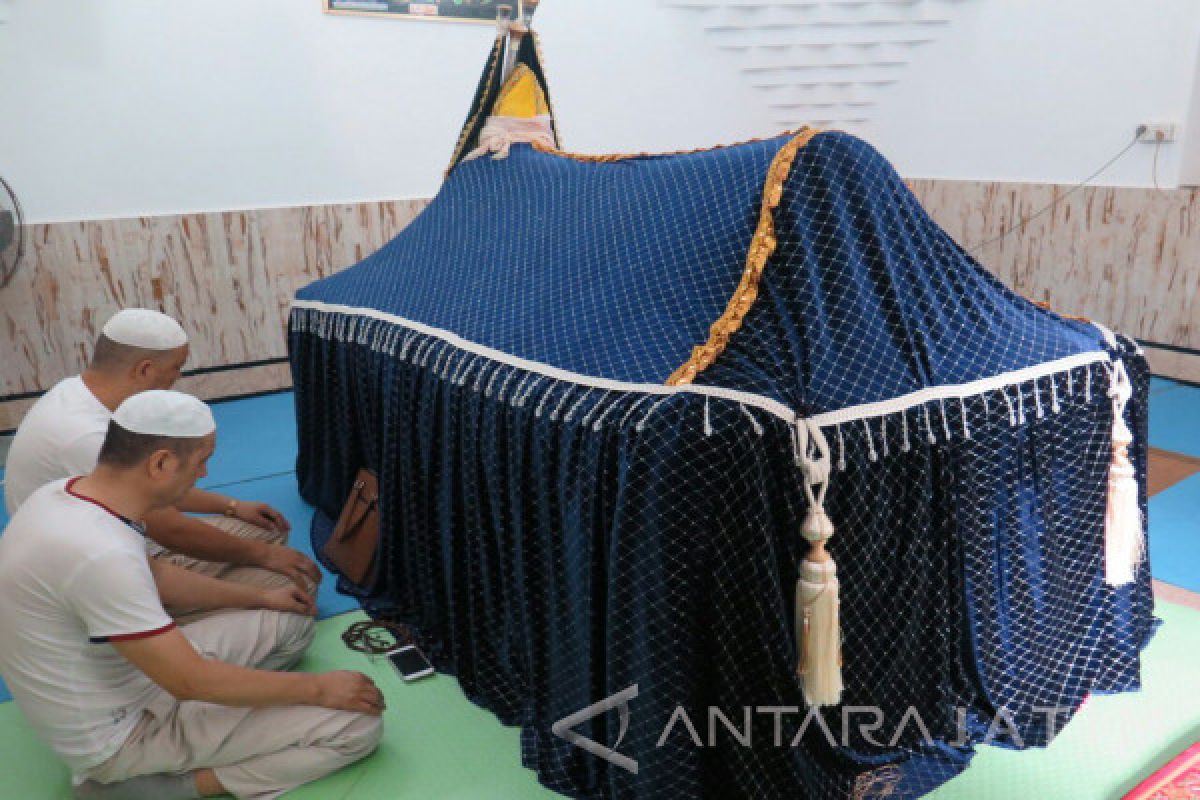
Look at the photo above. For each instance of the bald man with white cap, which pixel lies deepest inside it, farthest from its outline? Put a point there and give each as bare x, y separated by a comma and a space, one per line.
138, 707
140, 349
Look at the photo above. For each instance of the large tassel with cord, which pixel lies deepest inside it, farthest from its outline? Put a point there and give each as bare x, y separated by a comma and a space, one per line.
818, 629
1124, 528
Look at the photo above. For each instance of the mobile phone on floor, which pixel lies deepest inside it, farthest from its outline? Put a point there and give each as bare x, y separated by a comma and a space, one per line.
410, 663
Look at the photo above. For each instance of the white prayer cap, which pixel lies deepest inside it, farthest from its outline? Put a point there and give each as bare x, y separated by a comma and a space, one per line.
141, 327
161, 412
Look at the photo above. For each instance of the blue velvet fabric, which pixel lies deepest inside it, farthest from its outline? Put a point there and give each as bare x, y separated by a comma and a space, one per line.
538, 256
556, 543
868, 299
618, 270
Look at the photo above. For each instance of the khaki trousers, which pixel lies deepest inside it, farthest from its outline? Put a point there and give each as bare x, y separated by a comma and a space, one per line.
256, 753
252, 576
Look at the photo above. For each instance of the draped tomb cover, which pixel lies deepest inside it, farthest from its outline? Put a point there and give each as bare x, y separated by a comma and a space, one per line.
579, 380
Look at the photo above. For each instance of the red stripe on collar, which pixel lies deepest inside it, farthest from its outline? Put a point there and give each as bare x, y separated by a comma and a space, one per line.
130, 637
70, 487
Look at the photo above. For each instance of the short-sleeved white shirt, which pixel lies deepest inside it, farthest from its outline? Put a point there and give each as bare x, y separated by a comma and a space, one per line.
74, 577
60, 436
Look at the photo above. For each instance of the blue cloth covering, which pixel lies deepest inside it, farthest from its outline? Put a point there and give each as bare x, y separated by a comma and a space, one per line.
557, 540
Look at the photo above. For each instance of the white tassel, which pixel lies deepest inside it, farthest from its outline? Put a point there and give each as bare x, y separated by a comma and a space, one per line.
504, 386
527, 390
424, 360
629, 411
641, 426
1012, 415
537, 412
599, 423
491, 384
421, 344
818, 629
409, 338
570, 415
557, 412
477, 384
871, 454
440, 362
1124, 535
586, 422
463, 365
754, 423
818, 633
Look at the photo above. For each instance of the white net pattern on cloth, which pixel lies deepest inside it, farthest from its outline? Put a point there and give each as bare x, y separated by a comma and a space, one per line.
560, 526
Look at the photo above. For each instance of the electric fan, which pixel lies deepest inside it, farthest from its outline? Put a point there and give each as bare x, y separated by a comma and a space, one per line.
12, 233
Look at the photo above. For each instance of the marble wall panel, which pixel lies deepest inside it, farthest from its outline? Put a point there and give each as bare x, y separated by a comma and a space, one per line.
228, 277
1129, 258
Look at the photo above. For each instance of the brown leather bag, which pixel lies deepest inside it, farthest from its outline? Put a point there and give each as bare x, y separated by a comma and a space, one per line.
351, 546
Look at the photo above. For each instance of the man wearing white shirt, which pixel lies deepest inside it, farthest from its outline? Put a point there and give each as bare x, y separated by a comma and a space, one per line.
61, 434
137, 707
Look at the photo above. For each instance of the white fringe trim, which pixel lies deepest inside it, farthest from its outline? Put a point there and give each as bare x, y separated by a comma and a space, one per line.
959, 391
767, 404
343, 326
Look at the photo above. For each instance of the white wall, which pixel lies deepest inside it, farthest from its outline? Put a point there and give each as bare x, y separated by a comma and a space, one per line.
126, 107
1190, 173
1030, 90
1021, 90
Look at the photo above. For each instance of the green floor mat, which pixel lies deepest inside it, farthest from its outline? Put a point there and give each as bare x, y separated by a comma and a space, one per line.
439, 746
1114, 742
30, 771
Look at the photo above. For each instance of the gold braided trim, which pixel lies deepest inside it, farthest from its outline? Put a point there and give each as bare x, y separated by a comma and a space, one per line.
761, 247
466, 131
537, 48
608, 158
1047, 307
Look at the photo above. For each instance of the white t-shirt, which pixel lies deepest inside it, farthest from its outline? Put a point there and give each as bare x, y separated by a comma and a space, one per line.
60, 436
74, 578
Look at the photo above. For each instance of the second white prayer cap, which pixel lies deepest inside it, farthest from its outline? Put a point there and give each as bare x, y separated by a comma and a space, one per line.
144, 328
161, 412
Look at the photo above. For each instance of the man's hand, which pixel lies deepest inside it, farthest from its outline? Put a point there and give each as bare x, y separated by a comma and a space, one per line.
262, 515
293, 564
289, 598
171, 661
349, 691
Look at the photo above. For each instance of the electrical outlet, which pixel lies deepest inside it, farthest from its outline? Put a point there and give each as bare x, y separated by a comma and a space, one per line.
1155, 132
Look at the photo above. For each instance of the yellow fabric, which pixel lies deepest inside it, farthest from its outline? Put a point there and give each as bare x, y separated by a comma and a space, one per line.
522, 96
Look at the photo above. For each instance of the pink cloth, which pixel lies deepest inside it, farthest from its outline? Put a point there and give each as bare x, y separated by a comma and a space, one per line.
499, 134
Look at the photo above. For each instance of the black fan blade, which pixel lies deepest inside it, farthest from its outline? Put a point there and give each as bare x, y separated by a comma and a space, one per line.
8, 229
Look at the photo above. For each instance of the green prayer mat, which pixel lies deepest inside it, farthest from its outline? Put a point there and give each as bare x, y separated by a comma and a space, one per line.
440, 746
